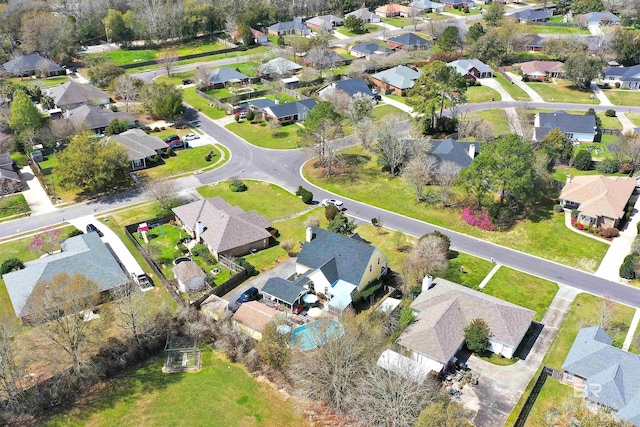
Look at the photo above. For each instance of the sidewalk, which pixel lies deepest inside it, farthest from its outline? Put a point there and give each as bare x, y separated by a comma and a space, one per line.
399, 105
627, 125
620, 248
37, 199
517, 80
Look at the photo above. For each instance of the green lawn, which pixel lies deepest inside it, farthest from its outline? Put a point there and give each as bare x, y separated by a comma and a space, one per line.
122, 57
467, 270
201, 104
497, 359
610, 122
228, 91
369, 28
461, 13
477, 94
220, 394
385, 109
176, 78
635, 344
635, 118
398, 98
185, 161
546, 236
398, 21
42, 82
522, 289
548, 29
623, 97
514, 90
259, 135
560, 173
496, 118
12, 205
52, 180
552, 395
267, 199
563, 91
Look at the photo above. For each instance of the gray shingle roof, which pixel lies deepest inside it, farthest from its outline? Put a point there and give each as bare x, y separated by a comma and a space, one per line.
94, 117
409, 39
368, 48
350, 86
283, 289
292, 108
29, 63
401, 76
426, 4
567, 123
602, 16
623, 73
463, 66
190, 274
84, 254
326, 22
279, 66
6, 168
224, 75
261, 103
612, 375
350, 256
71, 93
454, 151
226, 227
531, 15
363, 13
323, 58
139, 144
447, 308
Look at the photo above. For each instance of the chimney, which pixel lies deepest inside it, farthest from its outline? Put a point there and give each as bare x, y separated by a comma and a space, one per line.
427, 282
310, 235
472, 150
199, 229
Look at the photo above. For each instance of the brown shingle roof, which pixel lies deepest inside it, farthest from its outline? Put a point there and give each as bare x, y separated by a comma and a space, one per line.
254, 315
187, 270
543, 66
447, 308
600, 195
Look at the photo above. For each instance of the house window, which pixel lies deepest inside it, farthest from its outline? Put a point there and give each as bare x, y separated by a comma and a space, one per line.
568, 135
378, 260
370, 268
569, 377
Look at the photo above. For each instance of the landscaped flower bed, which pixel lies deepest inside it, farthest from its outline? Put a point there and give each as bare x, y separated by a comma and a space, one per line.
478, 218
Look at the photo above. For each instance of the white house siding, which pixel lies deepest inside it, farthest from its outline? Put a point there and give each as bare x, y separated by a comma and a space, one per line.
583, 137
320, 283
501, 349
427, 362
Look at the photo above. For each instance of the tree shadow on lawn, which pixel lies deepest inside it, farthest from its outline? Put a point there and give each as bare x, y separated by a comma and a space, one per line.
543, 211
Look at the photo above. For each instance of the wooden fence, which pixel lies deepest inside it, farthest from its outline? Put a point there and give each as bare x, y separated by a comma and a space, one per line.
531, 399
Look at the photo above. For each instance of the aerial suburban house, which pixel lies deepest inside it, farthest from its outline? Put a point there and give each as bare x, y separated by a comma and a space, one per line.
220, 77
607, 377
258, 36
394, 9
444, 309
338, 265
409, 41
9, 178
456, 3
70, 95
286, 294
576, 127
290, 112
368, 50
535, 43
427, 6
622, 76
601, 200
350, 86
252, 317
142, 148
530, 16
29, 65
397, 79
226, 230
278, 67
96, 119
85, 254
365, 15
601, 18
289, 28
471, 69
324, 23
322, 59
190, 276
541, 70
450, 150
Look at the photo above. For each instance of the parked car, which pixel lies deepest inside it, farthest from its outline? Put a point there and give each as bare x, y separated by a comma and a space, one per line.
141, 280
187, 82
93, 229
242, 114
191, 137
177, 143
337, 203
251, 294
171, 138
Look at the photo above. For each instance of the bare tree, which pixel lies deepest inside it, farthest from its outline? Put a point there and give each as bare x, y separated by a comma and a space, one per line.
202, 77
339, 98
447, 173
312, 221
56, 309
274, 126
164, 191
444, 413
360, 116
307, 74
416, 171
629, 144
132, 313
607, 311
13, 368
390, 142
167, 60
429, 256
127, 88
46, 241
414, 17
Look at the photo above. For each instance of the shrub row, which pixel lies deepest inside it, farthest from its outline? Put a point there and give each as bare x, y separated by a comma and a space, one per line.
477, 218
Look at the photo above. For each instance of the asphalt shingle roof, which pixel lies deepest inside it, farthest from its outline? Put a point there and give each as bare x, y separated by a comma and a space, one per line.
567, 123
292, 108
600, 195
409, 39
426, 4
326, 22
255, 315
224, 75
623, 73
71, 93
401, 76
363, 13
447, 308
602, 16
6, 168
283, 290
541, 66
279, 66
350, 256
286, 26
531, 15
28, 63
463, 66
189, 273
368, 48
453, 151
85, 254
614, 374
350, 86
94, 117
139, 144
323, 58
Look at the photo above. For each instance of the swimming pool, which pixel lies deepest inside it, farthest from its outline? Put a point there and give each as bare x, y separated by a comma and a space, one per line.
314, 334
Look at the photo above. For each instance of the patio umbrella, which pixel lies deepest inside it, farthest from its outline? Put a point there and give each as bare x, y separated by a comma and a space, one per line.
310, 299
315, 312
284, 329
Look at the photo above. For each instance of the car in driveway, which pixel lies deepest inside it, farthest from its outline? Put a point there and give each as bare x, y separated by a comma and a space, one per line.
337, 203
251, 294
171, 138
93, 229
191, 137
177, 143
142, 280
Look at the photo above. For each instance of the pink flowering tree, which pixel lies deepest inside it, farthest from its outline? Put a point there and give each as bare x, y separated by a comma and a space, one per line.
46, 241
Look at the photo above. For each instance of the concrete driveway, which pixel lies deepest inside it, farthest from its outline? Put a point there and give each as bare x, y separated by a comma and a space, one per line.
112, 240
284, 270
